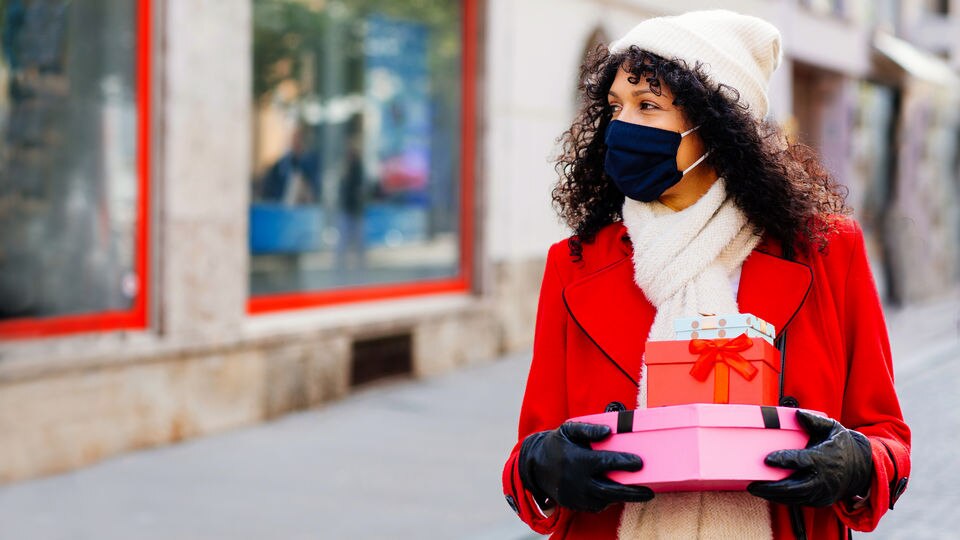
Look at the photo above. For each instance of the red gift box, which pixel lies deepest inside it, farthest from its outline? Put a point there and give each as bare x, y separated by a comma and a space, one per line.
741, 370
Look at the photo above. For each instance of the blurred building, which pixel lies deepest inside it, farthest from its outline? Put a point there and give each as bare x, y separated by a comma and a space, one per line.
215, 213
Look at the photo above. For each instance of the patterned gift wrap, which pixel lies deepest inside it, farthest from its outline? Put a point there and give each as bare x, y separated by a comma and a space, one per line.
724, 326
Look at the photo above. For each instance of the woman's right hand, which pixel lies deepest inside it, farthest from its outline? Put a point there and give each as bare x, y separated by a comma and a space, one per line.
558, 466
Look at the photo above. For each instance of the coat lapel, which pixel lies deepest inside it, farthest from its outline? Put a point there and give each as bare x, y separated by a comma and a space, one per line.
614, 314
773, 288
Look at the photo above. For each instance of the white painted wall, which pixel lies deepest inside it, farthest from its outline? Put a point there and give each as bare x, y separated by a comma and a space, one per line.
955, 34
534, 51
533, 54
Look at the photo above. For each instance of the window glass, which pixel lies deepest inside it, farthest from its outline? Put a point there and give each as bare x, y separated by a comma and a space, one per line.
356, 143
68, 149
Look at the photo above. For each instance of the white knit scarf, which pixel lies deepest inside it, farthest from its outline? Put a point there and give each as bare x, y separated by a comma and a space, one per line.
683, 261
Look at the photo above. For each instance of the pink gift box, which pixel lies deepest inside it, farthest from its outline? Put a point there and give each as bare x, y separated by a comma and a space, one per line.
701, 446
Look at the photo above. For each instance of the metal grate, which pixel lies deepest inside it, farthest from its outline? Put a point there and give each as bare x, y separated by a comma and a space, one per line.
381, 357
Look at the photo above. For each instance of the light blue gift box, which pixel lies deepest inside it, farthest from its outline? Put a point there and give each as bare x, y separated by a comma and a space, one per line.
724, 326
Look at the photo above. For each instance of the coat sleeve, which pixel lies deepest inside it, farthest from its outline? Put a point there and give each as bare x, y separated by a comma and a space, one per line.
544, 402
870, 403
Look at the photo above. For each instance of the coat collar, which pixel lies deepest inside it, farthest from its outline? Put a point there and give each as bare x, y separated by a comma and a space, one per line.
613, 312
616, 316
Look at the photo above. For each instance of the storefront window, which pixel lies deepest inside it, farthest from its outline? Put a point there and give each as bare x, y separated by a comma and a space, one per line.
356, 175
69, 182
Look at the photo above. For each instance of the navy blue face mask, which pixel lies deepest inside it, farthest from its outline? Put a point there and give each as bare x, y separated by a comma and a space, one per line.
642, 160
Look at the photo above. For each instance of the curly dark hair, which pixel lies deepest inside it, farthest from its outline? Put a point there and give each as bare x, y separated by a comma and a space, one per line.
783, 188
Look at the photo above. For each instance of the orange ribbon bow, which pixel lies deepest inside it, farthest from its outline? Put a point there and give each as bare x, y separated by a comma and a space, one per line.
722, 355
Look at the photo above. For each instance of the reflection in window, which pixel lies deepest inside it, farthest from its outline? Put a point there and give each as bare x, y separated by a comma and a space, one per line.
68, 185
356, 134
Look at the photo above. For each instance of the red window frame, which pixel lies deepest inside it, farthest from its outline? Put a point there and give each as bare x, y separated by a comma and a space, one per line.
136, 316
458, 283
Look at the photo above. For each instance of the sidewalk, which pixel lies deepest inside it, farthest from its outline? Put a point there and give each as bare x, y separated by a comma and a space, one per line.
412, 460
421, 460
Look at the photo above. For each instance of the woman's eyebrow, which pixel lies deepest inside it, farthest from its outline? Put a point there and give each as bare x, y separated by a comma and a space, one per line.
635, 93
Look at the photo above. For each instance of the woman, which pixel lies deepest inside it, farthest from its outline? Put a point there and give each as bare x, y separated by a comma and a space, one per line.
684, 201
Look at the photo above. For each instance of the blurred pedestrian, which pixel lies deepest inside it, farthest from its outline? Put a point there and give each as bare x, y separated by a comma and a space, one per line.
295, 178
684, 201
352, 199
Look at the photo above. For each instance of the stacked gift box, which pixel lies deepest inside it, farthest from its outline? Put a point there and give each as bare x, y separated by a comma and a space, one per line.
711, 414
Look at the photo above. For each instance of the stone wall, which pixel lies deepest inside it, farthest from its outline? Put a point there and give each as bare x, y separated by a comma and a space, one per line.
516, 291
63, 407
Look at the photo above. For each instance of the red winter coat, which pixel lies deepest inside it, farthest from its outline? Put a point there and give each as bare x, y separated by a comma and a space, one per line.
592, 323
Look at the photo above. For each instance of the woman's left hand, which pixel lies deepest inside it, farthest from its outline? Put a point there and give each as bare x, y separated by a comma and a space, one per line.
837, 464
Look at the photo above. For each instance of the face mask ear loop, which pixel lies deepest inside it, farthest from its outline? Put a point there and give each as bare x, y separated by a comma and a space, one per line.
695, 163
689, 131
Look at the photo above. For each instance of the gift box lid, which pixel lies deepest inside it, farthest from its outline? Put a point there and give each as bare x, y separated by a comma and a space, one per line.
678, 352
698, 415
726, 321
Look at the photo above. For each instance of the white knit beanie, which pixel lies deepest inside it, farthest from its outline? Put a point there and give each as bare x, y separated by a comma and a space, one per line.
736, 50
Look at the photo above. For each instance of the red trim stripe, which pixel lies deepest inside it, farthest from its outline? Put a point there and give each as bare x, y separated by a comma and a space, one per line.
144, 84
278, 302
468, 138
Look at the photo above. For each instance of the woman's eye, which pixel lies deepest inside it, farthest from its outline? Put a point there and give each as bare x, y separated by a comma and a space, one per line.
646, 105
614, 108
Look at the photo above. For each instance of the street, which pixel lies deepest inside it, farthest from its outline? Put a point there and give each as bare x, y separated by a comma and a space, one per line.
421, 460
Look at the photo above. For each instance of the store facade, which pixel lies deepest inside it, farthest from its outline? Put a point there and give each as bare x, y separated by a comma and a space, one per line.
215, 213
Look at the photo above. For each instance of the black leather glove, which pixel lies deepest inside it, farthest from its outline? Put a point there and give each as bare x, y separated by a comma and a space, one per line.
560, 465
837, 464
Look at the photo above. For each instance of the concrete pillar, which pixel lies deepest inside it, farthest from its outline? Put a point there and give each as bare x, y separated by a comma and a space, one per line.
204, 182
